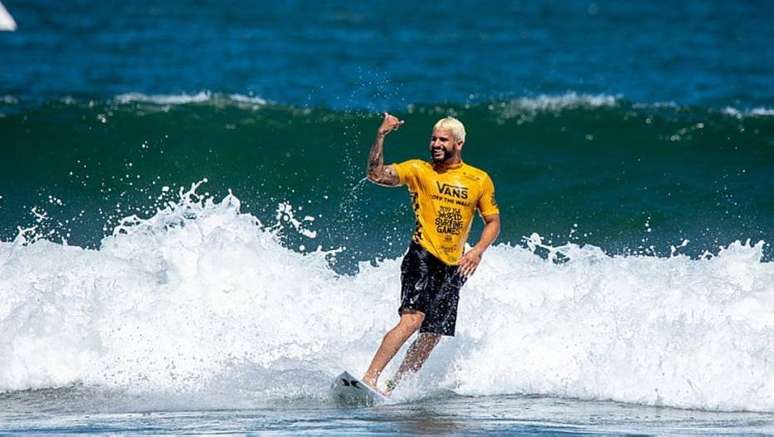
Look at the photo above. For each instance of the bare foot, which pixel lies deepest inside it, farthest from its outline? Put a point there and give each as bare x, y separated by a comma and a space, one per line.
373, 384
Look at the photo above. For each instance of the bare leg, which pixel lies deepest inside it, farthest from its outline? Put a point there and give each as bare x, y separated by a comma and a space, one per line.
409, 322
416, 355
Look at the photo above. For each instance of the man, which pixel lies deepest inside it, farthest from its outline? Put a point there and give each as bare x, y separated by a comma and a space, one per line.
445, 195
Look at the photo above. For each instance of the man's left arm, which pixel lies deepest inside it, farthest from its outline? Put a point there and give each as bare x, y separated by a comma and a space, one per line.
472, 258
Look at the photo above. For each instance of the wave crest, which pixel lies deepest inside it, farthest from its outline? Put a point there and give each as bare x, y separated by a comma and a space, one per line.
202, 298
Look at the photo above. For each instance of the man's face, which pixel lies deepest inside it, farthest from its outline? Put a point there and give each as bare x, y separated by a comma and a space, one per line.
443, 146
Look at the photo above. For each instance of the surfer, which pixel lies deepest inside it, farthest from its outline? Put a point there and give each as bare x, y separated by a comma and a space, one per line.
445, 193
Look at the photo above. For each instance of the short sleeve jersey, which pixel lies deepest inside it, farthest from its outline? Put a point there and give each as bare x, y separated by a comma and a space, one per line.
444, 204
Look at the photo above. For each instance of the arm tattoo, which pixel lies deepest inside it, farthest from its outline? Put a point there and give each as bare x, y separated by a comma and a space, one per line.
376, 157
377, 171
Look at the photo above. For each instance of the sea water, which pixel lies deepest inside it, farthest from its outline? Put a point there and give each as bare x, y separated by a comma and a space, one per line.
200, 308
187, 243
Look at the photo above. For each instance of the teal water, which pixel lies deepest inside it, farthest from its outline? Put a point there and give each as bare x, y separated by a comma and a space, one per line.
601, 170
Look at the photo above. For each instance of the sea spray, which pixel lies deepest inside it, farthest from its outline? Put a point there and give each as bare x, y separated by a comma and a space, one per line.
202, 299
694, 333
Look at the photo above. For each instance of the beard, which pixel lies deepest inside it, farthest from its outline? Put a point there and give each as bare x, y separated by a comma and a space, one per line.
447, 154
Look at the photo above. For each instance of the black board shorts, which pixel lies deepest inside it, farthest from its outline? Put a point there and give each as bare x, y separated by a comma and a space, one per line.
432, 287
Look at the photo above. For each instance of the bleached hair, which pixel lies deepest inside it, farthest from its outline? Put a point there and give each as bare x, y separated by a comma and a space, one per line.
452, 125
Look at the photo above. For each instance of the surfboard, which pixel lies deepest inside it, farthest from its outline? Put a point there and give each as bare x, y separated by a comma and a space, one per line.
6, 20
348, 390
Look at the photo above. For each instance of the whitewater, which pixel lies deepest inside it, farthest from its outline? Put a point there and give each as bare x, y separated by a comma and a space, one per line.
202, 303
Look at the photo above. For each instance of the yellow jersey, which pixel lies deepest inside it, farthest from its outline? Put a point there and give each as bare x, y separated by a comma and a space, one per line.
444, 204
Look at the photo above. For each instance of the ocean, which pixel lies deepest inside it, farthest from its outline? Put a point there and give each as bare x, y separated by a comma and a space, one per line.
188, 243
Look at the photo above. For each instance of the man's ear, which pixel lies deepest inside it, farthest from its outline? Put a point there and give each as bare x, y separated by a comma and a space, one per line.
460, 144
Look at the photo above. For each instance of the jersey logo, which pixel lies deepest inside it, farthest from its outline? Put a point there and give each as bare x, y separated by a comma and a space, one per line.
458, 191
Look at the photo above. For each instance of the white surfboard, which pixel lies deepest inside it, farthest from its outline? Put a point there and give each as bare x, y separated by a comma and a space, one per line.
6, 20
348, 390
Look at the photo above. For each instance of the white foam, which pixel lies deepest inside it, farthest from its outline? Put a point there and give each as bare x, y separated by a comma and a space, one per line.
564, 101
240, 98
671, 331
762, 112
524, 109
202, 299
164, 99
183, 99
754, 112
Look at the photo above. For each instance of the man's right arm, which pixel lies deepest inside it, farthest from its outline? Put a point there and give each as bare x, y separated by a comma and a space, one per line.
378, 172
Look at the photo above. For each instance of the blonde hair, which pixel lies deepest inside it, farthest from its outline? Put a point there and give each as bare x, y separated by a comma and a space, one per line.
452, 125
